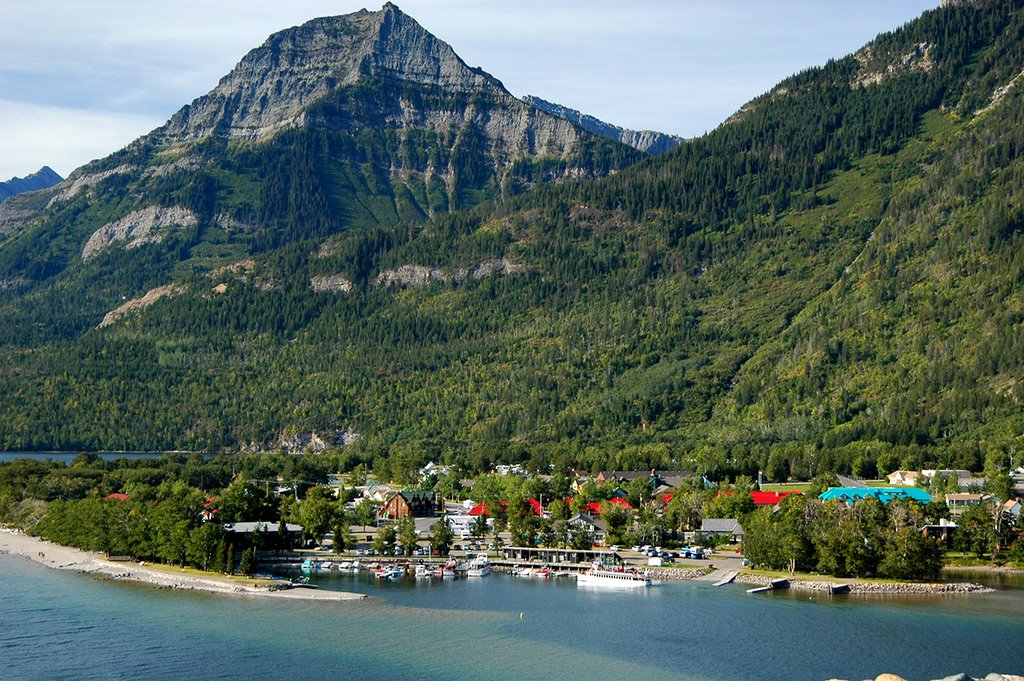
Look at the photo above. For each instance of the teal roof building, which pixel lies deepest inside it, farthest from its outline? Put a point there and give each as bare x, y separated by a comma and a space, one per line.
883, 494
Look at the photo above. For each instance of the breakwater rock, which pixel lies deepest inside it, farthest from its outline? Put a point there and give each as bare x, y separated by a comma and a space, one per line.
679, 574
954, 677
873, 588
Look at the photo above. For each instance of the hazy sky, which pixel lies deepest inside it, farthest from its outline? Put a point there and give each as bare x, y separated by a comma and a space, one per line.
79, 80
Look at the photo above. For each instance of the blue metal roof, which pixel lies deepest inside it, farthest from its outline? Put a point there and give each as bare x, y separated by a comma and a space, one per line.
883, 494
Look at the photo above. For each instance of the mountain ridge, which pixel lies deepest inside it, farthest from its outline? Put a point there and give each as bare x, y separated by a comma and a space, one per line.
647, 141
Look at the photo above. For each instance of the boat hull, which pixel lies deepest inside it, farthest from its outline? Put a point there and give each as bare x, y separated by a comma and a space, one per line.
612, 580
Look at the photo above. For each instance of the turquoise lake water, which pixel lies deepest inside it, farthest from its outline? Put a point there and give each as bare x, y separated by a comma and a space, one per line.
56, 624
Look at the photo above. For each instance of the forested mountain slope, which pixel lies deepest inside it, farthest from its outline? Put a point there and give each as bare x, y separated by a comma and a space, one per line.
829, 281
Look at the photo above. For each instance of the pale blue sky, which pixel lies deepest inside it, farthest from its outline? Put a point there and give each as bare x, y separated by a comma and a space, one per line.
79, 80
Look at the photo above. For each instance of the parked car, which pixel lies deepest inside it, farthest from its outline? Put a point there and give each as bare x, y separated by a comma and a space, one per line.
614, 547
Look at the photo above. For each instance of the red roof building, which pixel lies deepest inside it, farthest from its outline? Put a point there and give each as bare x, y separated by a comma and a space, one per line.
770, 498
116, 496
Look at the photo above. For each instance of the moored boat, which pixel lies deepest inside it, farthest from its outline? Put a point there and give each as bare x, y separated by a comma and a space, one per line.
599, 576
479, 567
388, 572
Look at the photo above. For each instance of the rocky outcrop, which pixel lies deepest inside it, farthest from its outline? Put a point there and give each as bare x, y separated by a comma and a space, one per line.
919, 58
137, 304
80, 181
316, 443
149, 225
43, 178
334, 283
647, 141
411, 275
419, 275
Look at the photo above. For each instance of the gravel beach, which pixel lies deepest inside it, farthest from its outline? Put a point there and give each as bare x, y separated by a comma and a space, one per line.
60, 557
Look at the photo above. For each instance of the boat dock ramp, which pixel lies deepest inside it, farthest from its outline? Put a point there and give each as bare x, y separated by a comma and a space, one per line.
773, 585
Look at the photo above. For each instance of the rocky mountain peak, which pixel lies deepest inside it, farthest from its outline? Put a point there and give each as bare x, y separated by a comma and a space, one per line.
273, 86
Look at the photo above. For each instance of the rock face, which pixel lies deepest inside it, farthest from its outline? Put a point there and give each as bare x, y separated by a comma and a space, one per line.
299, 78
335, 283
42, 179
647, 141
419, 275
136, 304
149, 225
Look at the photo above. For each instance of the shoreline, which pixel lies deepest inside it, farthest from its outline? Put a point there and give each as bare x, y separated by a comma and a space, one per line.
58, 557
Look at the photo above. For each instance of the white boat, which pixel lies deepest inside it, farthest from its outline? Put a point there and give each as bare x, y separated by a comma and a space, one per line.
479, 567
422, 571
518, 571
599, 576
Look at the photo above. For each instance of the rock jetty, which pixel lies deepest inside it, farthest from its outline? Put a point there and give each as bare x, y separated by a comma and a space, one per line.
874, 588
954, 677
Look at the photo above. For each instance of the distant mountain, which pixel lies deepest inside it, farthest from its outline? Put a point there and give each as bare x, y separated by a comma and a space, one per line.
647, 141
42, 179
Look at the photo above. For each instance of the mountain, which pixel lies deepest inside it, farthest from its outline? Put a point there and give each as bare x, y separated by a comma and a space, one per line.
42, 179
343, 123
829, 281
647, 141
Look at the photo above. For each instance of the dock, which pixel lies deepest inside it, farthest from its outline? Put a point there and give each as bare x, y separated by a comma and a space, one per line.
774, 585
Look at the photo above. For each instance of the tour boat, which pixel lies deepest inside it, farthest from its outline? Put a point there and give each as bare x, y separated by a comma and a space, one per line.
598, 575
479, 567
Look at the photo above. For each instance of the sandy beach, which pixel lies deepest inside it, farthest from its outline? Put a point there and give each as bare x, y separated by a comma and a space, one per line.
65, 558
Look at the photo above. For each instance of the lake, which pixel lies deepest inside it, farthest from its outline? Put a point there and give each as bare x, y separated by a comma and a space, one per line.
56, 624
66, 457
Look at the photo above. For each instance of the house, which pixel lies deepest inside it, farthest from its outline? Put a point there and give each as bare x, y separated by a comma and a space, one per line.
770, 498
961, 501
243, 535
1012, 507
721, 527
407, 504
942, 533
116, 496
656, 479
378, 492
904, 478
971, 483
584, 522
851, 495
931, 473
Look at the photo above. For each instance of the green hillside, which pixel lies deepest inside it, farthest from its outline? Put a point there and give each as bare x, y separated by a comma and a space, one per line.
829, 281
